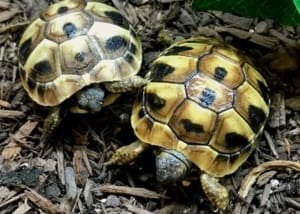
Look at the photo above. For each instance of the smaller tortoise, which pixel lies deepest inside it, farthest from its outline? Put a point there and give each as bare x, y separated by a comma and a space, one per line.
75, 53
206, 104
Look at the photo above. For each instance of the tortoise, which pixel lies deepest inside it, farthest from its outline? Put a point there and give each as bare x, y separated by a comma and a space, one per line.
77, 54
206, 104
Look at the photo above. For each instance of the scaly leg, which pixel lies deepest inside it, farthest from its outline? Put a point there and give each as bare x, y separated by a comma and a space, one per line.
51, 123
128, 153
126, 85
215, 192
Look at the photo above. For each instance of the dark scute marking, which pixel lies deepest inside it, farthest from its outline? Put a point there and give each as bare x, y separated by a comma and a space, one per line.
159, 70
189, 126
40, 68
220, 73
264, 90
117, 18
80, 56
177, 49
128, 57
155, 101
141, 113
69, 29
62, 10
234, 140
132, 48
257, 117
31, 84
41, 90
207, 97
115, 42
25, 50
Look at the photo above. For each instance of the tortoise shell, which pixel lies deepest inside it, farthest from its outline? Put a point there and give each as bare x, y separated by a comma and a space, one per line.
205, 100
74, 44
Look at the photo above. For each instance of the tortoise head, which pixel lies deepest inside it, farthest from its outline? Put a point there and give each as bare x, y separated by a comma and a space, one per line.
171, 166
88, 100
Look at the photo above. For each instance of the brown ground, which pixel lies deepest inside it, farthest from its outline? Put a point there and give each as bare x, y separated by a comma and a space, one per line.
39, 178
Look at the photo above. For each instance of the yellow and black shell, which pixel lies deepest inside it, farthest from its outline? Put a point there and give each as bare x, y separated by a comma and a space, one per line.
73, 44
205, 100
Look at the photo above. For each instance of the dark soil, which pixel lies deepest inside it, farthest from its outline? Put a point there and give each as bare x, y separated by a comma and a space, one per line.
68, 175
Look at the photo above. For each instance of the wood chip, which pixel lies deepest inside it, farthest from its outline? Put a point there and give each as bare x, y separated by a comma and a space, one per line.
22, 208
5, 104
264, 41
60, 163
135, 191
71, 188
4, 5
271, 144
87, 192
250, 179
17, 140
6, 194
41, 202
136, 210
12, 114
13, 27
293, 103
12, 200
6, 15
277, 115
265, 196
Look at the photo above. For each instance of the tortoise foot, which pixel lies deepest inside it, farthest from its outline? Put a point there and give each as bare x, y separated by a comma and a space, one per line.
128, 153
215, 192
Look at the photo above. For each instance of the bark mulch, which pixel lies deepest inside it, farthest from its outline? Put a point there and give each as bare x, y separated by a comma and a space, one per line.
70, 177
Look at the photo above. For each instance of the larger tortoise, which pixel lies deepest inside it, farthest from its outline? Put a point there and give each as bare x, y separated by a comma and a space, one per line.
206, 104
72, 47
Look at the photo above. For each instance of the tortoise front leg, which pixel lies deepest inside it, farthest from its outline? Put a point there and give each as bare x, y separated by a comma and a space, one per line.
51, 123
215, 192
128, 153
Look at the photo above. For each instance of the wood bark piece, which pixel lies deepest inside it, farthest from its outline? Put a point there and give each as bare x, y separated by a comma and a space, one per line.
42, 202
135, 191
136, 210
17, 140
6, 15
252, 176
5, 104
11, 114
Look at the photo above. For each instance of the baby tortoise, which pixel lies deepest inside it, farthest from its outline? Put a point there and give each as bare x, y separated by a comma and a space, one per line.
70, 49
206, 104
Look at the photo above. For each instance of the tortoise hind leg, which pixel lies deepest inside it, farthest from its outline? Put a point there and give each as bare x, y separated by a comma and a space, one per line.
215, 192
128, 153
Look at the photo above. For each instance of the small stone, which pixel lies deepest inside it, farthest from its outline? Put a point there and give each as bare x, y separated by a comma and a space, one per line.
261, 27
113, 201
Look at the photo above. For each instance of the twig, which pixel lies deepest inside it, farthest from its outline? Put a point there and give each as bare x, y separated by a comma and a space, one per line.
11, 114
136, 210
41, 201
135, 191
271, 144
16, 141
11, 200
251, 178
